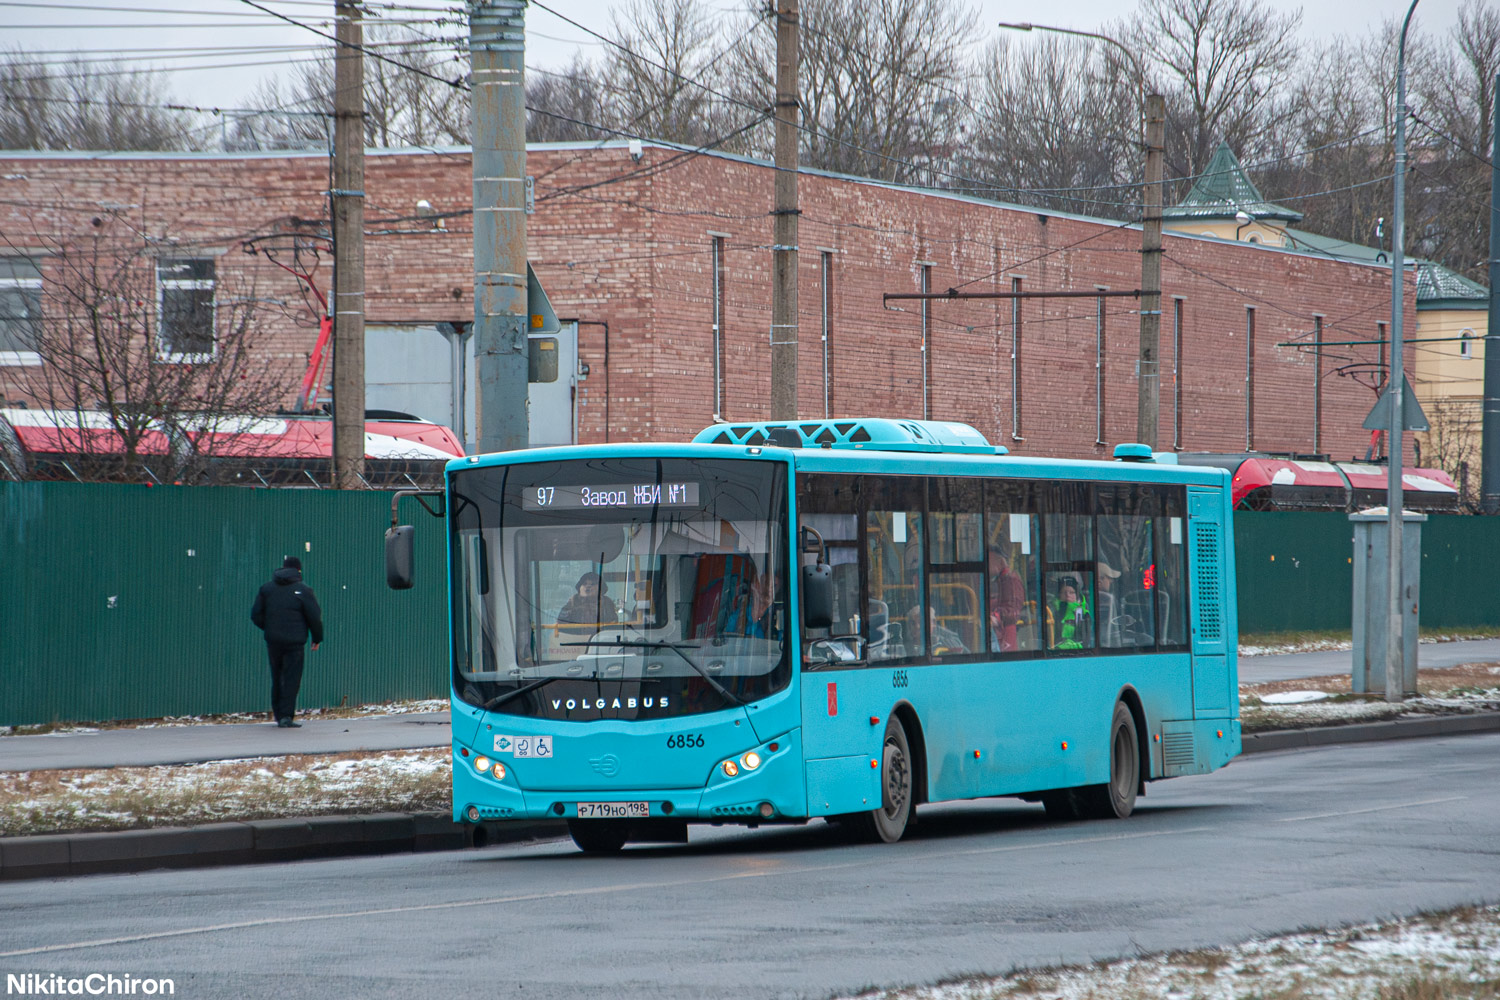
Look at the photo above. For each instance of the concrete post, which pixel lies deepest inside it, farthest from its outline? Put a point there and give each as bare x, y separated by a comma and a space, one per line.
497, 45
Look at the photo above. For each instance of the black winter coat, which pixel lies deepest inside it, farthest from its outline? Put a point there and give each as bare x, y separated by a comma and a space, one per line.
286, 609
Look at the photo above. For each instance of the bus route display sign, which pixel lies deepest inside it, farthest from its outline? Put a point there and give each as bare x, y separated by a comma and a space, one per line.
611, 495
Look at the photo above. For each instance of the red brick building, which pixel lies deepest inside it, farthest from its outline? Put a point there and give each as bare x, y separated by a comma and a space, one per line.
661, 248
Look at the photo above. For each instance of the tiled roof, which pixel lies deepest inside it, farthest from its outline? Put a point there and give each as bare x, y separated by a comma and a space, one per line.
1435, 283
1437, 286
1224, 191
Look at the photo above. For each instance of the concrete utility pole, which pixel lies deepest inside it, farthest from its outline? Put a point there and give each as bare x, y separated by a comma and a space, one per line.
348, 200
1489, 448
497, 49
784, 290
1148, 396
1395, 658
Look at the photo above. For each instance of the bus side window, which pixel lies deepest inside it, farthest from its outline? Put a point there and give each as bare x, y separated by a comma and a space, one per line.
1015, 614
829, 505
1169, 573
893, 539
1126, 606
956, 559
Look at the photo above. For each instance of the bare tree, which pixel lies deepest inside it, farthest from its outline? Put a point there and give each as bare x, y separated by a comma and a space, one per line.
1454, 124
666, 77
87, 105
563, 106
1225, 65
146, 348
1058, 126
885, 84
1452, 442
416, 94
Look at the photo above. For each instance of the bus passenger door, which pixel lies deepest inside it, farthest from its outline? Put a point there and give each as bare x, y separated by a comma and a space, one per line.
1212, 591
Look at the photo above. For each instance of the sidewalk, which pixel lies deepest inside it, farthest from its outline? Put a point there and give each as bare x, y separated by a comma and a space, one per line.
150, 746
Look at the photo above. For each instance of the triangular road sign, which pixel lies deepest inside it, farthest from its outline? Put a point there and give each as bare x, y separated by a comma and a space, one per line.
1412, 417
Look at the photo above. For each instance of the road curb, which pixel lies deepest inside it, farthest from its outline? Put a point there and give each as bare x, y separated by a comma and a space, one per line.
253, 842
1362, 732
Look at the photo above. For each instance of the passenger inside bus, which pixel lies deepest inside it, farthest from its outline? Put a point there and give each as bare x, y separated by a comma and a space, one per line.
1007, 599
588, 608
945, 641
1072, 622
764, 615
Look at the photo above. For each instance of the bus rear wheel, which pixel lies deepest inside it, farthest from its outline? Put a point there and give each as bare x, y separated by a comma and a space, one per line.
1115, 799
888, 823
599, 836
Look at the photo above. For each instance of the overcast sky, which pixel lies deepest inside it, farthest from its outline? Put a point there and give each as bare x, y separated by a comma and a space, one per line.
207, 75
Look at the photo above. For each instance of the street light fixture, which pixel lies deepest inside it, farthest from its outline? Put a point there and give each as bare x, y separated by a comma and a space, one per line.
1153, 120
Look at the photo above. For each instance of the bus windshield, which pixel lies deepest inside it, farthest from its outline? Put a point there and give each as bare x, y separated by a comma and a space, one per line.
619, 588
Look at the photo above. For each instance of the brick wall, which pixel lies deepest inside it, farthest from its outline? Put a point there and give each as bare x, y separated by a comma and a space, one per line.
629, 244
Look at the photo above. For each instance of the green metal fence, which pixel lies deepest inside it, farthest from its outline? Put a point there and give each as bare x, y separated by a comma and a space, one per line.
1294, 571
134, 602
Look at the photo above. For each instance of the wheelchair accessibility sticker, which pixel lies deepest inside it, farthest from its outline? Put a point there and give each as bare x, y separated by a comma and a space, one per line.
524, 746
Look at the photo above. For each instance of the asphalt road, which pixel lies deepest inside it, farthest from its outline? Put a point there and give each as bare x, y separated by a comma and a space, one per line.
1275, 842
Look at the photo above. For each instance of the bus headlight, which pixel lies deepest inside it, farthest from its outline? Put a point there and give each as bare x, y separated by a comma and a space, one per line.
498, 770
750, 761
730, 768
481, 764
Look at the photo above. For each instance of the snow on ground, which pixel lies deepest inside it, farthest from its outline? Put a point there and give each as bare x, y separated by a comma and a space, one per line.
1436, 957
257, 788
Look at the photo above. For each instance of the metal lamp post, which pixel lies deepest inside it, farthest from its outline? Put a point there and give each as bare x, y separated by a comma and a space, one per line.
1395, 660
1153, 120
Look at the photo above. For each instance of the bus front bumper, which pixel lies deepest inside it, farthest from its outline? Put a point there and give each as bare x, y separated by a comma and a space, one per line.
773, 791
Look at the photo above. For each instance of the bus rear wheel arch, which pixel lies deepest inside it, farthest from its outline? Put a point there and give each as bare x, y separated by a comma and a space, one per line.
1115, 798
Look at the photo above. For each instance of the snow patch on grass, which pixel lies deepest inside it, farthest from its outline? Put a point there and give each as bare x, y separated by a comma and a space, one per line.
1445, 956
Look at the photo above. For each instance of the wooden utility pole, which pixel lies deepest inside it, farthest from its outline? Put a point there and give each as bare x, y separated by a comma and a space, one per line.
784, 290
347, 199
497, 50
1148, 396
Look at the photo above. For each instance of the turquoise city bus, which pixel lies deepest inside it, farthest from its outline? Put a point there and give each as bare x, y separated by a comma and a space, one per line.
842, 619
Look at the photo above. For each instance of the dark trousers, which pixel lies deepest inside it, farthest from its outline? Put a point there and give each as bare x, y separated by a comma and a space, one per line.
286, 678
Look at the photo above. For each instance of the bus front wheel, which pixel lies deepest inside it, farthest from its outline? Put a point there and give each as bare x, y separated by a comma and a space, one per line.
888, 823
1115, 799
599, 836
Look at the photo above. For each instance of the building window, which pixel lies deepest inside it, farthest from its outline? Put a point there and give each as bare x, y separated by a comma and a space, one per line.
1099, 367
1466, 343
20, 311
827, 302
926, 341
718, 322
1249, 378
1317, 435
1015, 360
185, 309
1177, 320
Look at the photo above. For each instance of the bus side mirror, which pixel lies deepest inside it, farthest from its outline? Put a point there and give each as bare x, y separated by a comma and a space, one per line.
817, 596
400, 556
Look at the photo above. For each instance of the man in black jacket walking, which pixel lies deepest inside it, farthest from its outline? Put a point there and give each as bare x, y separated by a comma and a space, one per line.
287, 611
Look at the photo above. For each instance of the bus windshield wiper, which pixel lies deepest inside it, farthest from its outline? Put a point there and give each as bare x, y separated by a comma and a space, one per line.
674, 647
501, 699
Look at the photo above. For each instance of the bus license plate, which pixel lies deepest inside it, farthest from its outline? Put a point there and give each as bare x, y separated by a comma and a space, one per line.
614, 810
